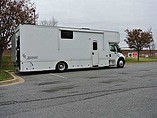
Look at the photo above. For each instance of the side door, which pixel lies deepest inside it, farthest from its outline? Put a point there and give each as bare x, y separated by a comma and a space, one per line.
95, 54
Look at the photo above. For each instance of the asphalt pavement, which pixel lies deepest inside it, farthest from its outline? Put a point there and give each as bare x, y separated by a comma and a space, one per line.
130, 92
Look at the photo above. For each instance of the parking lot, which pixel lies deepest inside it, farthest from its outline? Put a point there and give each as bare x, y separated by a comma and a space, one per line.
89, 93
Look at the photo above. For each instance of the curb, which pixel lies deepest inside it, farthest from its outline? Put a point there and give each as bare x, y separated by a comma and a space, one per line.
16, 80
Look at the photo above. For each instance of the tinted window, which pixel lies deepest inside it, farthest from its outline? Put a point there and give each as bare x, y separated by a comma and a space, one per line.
66, 34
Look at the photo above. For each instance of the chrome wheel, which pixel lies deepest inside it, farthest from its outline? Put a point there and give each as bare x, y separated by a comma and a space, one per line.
120, 63
61, 66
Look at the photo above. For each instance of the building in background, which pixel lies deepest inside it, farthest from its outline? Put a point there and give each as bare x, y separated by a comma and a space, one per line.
143, 53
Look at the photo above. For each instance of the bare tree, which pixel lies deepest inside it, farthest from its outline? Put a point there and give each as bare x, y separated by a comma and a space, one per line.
52, 22
152, 48
13, 13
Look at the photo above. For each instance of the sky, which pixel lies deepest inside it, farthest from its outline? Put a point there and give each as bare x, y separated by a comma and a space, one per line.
114, 15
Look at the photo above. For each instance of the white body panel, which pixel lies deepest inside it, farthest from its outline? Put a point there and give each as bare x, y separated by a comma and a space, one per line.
41, 48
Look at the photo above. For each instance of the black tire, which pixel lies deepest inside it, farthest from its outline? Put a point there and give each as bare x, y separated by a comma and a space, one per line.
61, 67
121, 63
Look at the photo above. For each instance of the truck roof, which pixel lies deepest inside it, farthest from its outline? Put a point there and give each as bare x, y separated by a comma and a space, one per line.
82, 29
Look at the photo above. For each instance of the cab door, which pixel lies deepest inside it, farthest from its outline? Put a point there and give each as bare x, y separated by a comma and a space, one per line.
95, 54
113, 54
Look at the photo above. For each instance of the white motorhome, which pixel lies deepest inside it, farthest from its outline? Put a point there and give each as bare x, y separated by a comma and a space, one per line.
38, 48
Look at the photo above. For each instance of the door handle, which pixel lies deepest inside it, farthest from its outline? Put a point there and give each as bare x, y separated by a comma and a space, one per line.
92, 53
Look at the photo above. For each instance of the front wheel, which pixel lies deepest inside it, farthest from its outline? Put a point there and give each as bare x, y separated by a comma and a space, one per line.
61, 67
120, 63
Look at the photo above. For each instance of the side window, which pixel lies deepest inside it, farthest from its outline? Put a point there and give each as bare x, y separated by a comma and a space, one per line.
65, 34
112, 48
95, 46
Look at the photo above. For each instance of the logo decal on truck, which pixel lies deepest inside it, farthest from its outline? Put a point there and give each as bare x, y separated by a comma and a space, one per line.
29, 57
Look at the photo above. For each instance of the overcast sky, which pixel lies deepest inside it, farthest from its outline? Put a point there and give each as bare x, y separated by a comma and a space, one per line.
116, 15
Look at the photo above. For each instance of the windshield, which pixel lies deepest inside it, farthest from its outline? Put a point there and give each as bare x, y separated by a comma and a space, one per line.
118, 48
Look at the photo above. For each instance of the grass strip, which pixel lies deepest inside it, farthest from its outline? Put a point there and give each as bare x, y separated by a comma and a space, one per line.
142, 60
5, 76
6, 65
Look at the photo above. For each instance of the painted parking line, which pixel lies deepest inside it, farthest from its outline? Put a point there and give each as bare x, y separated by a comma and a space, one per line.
59, 76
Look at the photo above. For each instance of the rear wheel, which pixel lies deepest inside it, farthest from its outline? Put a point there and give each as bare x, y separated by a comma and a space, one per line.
120, 63
61, 67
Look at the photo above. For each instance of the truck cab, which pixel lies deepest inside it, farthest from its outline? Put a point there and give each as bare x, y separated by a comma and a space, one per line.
115, 55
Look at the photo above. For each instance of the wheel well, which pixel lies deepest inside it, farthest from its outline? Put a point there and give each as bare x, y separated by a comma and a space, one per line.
121, 58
